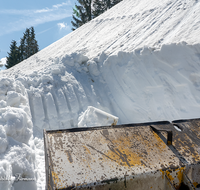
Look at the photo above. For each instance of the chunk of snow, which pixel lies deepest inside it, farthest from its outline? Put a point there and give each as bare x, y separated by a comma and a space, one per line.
3, 104
3, 139
17, 124
67, 60
95, 117
6, 175
13, 99
92, 67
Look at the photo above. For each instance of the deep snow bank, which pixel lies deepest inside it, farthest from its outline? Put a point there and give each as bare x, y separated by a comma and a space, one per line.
16, 154
144, 85
130, 62
155, 85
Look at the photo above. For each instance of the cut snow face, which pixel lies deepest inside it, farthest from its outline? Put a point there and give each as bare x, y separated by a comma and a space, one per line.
138, 62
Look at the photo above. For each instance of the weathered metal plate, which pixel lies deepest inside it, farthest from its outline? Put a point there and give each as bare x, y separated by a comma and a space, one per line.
117, 157
186, 146
187, 143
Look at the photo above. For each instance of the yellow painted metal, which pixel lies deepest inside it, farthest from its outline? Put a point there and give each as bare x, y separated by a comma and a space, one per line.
187, 143
123, 157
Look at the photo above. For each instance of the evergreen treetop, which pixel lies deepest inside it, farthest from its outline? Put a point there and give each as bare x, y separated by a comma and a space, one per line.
82, 13
89, 9
13, 56
28, 46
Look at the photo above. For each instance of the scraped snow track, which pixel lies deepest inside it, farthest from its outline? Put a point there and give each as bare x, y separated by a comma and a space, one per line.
139, 61
165, 81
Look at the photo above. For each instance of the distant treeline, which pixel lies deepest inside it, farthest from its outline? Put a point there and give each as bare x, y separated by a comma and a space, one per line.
89, 9
85, 11
28, 46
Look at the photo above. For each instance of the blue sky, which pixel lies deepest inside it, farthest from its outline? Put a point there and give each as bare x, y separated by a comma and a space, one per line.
51, 20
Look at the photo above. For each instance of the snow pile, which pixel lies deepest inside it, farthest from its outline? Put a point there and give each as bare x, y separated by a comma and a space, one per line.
17, 156
138, 62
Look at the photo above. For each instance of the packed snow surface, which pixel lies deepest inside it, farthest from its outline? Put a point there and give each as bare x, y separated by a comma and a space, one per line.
137, 62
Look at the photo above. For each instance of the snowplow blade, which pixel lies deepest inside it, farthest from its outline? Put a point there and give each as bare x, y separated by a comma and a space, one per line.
144, 156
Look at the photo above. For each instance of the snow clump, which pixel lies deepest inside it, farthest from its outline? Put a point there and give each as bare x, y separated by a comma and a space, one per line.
15, 133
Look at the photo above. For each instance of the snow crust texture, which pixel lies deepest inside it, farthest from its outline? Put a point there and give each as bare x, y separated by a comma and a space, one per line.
138, 62
16, 129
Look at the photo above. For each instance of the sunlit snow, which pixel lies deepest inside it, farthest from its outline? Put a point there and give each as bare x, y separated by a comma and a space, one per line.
138, 62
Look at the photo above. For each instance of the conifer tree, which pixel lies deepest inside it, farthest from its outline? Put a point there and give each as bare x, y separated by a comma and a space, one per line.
114, 2
82, 13
100, 6
13, 56
28, 46
22, 49
33, 43
89, 9
27, 38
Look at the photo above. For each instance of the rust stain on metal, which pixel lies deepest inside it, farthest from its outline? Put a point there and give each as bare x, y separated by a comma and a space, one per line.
180, 174
87, 150
121, 152
69, 156
55, 177
186, 147
195, 184
114, 123
131, 154
159, 143
174, 175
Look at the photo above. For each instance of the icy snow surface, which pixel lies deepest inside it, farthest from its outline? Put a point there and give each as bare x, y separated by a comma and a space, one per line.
139, 61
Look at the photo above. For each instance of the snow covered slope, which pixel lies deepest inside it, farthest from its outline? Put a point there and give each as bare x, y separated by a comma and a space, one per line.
139, 61
130, 25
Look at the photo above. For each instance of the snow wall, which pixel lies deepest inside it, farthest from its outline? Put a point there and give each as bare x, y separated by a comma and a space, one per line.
140, 86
